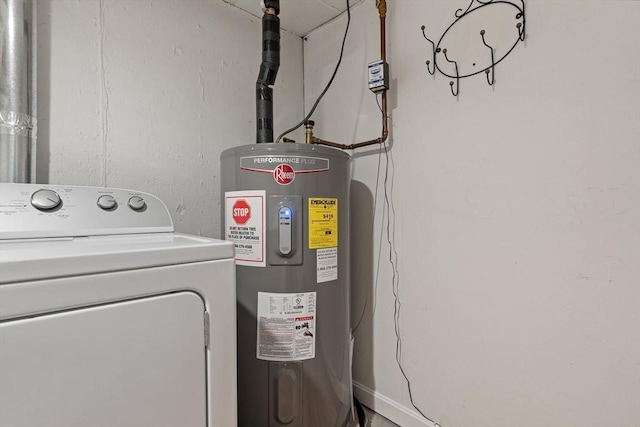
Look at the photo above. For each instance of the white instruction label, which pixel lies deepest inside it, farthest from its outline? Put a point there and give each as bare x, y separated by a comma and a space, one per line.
244, 226
286, 326
326, 265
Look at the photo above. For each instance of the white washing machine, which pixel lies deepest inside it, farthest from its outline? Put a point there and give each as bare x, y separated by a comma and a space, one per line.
110, 318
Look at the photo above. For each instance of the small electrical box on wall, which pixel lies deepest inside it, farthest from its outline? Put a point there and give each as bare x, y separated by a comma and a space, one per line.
378, 76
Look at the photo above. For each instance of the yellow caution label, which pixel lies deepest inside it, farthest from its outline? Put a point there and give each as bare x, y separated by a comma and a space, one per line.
323, 223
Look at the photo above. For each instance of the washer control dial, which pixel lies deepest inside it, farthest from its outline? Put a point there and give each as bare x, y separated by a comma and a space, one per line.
45, 200
137, 203
107, 202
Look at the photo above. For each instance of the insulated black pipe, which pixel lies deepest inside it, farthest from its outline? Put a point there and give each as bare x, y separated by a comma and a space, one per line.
268, 71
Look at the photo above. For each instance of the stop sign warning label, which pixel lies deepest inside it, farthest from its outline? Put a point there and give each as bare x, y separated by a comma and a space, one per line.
244, 226
241, 212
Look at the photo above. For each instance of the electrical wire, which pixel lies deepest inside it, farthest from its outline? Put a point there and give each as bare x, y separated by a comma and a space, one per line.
389, 228
335, 71
375, 204
393, 260
373, 216
375, 210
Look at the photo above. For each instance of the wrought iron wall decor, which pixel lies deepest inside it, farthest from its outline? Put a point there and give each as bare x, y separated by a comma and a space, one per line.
445, 61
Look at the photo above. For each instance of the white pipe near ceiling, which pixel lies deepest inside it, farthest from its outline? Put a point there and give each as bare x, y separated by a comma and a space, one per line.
17, 90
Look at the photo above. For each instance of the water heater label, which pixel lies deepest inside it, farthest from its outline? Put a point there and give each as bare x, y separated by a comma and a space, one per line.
326, 265
286, 326
244, 226
323, 223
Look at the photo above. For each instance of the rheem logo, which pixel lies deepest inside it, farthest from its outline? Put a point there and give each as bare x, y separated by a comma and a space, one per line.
284, 174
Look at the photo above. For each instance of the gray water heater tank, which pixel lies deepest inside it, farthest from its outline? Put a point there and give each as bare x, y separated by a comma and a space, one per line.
286, 208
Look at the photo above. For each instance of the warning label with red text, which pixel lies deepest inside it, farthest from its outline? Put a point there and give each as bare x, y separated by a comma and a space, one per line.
244, 226
286, 326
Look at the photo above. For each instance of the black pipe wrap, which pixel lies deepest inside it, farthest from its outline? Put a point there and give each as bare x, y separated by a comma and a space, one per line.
264, 113
264, 93
266, 76
270, 24
267, 73
270, 49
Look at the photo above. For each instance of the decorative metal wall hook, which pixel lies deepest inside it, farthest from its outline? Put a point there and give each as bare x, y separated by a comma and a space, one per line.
489, 71
459, 13
457, 91
471, 65
433, 54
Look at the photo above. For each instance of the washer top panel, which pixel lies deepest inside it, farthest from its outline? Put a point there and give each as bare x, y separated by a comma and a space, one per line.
51, 231
29, 211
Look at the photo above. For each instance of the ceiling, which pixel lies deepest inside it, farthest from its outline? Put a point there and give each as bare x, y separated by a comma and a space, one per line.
299, 16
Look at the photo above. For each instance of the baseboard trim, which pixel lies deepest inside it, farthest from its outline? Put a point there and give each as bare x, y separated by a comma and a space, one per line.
388, 408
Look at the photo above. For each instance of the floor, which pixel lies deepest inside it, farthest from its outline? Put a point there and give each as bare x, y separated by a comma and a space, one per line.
377, 420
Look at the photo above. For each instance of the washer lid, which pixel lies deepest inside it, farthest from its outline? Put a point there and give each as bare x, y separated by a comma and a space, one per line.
26, 260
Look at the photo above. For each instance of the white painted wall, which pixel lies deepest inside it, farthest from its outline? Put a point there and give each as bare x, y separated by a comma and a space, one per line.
517, 207
517, 217
146, 94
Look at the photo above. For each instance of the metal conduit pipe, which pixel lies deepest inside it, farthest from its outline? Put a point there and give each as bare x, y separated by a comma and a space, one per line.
17, 90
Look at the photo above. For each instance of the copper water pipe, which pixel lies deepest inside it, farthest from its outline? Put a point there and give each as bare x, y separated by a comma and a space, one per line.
382, 11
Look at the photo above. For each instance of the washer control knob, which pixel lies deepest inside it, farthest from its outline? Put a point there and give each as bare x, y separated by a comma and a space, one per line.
107, 202
45, 200
137, 203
